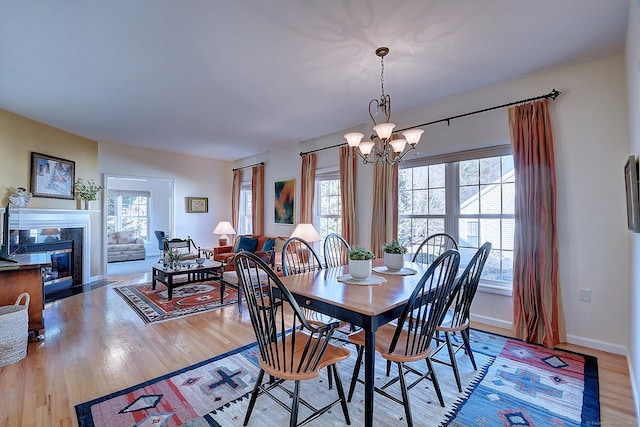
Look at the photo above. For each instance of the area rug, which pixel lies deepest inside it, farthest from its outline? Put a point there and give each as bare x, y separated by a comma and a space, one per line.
153, 305
516, 384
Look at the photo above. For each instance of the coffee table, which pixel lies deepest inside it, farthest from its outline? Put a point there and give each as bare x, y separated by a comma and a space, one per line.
194, 273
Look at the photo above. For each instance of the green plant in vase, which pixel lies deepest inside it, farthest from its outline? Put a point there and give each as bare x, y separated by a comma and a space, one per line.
394, 255
87, 190
360, 262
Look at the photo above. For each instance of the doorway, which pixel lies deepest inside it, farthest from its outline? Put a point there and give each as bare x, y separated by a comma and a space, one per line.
140, 204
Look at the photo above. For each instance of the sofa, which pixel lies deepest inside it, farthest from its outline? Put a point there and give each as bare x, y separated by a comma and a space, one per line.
125, 246
263, 246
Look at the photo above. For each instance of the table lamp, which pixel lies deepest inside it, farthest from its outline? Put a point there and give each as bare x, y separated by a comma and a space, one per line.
305, 232
223, 228
51, 234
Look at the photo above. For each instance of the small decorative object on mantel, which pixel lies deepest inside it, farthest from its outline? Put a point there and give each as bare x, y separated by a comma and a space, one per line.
20, 198
360, 262
87, 191
394, 255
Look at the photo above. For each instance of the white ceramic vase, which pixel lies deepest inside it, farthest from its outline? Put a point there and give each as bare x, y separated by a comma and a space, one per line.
360, 269
393, 262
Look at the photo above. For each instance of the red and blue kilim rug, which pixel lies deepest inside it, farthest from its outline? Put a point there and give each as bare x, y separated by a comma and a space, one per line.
152, 305
516, 384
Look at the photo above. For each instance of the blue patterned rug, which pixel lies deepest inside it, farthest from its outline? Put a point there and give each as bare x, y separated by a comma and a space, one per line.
516, 384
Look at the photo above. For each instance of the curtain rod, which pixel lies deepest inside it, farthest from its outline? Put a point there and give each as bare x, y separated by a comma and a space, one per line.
553, 95
250, 166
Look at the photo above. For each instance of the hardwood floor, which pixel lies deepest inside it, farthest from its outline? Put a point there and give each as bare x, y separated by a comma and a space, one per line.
95, 345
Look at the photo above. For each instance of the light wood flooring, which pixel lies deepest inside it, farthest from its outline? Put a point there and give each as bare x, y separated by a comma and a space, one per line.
95, 345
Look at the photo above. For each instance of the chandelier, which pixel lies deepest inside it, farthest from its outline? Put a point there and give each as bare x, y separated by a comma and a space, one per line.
384, 146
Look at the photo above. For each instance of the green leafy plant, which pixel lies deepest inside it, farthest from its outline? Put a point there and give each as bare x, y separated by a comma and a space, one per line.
87, 190
394, 247
360, 254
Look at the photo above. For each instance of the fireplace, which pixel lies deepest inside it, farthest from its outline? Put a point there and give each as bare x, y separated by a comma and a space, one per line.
38, 226
64, 276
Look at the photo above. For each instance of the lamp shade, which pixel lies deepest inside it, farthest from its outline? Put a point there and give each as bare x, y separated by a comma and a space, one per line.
224, 227
306, 232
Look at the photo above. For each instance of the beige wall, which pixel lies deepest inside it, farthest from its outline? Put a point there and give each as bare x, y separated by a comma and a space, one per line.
19, 137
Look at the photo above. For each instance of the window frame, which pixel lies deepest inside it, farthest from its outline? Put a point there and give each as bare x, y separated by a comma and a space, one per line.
328, 174
118, 194
452, 216
245, 224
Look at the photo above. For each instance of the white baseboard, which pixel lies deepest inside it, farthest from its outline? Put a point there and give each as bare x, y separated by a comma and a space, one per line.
491, 321
571, 339
634, 388
598, 345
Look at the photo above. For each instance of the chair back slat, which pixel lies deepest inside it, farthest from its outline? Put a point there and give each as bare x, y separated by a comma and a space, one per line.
299, 257
288, 343
336, 250
426, 306
466, 287
434, 246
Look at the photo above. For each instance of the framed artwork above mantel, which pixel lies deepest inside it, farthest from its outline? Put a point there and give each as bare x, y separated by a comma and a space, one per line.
52, 177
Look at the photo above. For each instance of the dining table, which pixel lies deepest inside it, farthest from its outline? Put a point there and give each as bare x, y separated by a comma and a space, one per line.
364, 305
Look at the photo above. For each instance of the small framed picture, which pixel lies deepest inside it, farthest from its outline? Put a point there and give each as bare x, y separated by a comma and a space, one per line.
197, 204
52, 177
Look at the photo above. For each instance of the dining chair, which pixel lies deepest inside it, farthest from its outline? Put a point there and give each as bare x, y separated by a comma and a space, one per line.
434, 246
291, 348
160, 235
336, 250
410, 340
456, 317
299, 257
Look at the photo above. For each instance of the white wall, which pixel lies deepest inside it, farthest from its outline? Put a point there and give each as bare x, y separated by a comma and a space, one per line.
633, 88
590, 131
193, 177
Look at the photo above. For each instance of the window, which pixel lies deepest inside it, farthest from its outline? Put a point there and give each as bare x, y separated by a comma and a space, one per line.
328, 205
128, 210
469, 195
245, 225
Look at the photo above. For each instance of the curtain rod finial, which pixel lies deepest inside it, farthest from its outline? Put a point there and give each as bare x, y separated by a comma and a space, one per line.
554, 94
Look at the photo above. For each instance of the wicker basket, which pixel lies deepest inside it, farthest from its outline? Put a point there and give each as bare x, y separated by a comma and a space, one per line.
14, 331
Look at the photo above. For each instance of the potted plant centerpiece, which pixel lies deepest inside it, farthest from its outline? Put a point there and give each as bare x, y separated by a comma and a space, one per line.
394, 255
87, 191
360, 262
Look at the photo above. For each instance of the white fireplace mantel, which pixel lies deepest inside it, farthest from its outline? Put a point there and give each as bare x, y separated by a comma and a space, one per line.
27, 218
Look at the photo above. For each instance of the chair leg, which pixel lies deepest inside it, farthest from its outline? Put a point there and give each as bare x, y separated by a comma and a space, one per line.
434, 380
405, 395
254, 395
388, 367
467, 345
329, 369
356, 372
343, 401
454, 363
293, 421
239, 298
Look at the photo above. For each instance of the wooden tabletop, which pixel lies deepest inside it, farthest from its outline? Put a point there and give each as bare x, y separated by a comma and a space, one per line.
26, 261
370, 300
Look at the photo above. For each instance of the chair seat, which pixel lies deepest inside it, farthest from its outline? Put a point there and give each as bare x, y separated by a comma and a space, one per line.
447, 324
333, 354
384, 336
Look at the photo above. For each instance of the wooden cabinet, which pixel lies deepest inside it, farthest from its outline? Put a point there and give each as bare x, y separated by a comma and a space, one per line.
25, 276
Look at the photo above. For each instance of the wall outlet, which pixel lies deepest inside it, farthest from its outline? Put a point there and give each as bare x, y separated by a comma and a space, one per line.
585, 295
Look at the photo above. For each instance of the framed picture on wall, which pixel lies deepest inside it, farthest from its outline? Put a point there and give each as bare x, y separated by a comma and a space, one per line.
197, 204
284, 202
633, 198
52, 177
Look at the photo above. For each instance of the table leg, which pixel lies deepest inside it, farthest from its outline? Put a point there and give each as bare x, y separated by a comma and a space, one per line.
153, 281
170, 288
369, 369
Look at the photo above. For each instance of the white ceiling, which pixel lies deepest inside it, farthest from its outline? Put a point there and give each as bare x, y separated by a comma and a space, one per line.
229, 79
